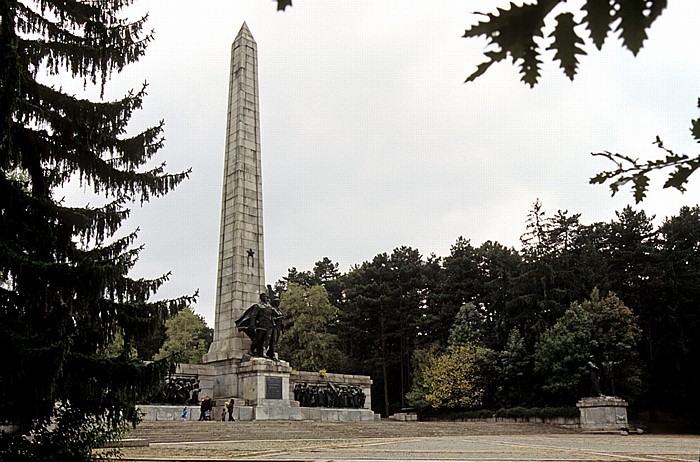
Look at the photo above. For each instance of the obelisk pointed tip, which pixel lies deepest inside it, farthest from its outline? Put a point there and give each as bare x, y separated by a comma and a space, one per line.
244, 31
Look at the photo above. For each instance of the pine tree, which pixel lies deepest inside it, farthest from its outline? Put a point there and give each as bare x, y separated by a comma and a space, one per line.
65, 293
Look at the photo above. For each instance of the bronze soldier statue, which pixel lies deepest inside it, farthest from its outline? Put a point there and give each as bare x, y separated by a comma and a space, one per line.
276, 330
262, 323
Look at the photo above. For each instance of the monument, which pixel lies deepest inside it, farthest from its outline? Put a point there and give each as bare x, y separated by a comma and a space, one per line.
259, 383
606, 411
241, 267
241, 264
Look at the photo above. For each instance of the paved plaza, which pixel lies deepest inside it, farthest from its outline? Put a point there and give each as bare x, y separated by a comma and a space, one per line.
389, 440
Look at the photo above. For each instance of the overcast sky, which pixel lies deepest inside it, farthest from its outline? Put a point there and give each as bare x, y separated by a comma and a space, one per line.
371, 140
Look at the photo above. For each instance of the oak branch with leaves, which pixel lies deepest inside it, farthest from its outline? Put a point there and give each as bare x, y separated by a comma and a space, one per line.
521, 33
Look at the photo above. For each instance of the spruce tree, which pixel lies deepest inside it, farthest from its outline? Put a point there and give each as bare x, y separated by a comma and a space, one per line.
65, 290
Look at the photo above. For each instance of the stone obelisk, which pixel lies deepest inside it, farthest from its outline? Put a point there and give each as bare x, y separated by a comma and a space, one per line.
241, 272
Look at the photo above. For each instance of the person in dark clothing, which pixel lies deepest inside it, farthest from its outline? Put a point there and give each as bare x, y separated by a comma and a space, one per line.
205, 408
229, 408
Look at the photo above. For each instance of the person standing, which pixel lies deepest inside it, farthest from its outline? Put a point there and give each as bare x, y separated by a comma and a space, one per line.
229, 408
205, 409
202, 409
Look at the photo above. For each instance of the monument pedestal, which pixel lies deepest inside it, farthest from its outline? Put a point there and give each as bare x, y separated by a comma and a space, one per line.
263, 386
603, 413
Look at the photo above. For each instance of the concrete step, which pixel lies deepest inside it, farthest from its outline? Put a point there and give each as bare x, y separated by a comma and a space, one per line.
164, 431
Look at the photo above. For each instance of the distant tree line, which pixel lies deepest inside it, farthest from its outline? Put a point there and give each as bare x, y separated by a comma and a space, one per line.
520, 326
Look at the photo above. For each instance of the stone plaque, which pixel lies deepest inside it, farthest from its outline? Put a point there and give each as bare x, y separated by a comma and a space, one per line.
273, 387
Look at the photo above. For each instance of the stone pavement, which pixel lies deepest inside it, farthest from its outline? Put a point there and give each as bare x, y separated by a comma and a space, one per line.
389, 441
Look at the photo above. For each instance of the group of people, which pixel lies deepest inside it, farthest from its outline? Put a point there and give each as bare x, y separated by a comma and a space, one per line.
262, 323
205, 410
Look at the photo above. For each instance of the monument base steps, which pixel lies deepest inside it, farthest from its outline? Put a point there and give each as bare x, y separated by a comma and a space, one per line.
261, 389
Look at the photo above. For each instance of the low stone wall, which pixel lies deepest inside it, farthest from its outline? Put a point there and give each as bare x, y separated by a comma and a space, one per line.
174, 413
338, 414
405, 416
154, 412
572, 423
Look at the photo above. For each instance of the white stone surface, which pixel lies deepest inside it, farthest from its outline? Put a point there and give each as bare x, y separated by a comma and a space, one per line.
167, 412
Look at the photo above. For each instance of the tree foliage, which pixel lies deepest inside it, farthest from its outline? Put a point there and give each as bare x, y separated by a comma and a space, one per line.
653, 271
595, 330
187, 338
563, 351
450, 379
65, 293
629, 169
519, 33
307, 341
515, 363
468, 326
422, 357
535, 313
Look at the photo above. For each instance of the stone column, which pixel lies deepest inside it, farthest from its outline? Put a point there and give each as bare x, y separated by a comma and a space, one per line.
241, 270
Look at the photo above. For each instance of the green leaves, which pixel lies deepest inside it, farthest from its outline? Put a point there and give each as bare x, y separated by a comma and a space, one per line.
566, 43
633, 23
630, 169
450, 379
695, 126
308, 342
187, 338
635, 17
65, 291
512, 32
516, 32
283, 4
597, 20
